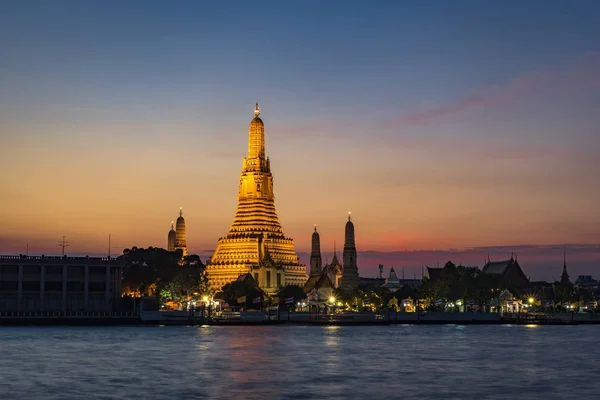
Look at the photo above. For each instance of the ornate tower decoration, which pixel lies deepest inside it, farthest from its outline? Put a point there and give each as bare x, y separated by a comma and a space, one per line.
315, 254
255, 223
180, 242
350, 278
171, 238
564, 278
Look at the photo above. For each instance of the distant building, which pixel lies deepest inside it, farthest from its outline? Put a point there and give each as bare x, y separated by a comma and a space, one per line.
350, 279
564, 277
334, 275
392, 282
586, 281
433, 273
176, 239
59, 284
509, 272
171, 238
180, 239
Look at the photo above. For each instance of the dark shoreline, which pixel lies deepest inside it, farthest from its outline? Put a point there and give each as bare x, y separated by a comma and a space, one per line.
197, 322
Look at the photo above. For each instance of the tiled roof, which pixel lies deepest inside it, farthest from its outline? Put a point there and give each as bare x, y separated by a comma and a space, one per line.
497, 267
434, 273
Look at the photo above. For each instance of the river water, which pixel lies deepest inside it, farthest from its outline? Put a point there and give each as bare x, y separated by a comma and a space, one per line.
301, 362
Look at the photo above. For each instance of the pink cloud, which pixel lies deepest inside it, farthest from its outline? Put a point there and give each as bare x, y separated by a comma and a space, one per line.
581, 72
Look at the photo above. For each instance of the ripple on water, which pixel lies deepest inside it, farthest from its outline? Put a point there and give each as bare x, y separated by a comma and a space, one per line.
300, 362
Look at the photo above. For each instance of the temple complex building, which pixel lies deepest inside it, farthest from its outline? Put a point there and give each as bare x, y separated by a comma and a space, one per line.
176, 239
256, 243
180, 240
333, 275
171, 238
350, 279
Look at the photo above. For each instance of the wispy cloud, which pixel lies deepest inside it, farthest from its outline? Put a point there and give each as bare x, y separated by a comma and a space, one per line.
581, 72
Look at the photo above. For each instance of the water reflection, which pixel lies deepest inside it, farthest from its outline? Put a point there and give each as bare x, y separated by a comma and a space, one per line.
404, 361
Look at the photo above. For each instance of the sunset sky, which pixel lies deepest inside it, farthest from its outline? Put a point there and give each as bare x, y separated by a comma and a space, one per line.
445, 127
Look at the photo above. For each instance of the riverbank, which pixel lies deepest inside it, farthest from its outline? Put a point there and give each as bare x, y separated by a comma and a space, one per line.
178, 318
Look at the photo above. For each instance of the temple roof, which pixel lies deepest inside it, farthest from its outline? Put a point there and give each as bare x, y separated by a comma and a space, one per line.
434, 273
498, 267
392, 280
318, 281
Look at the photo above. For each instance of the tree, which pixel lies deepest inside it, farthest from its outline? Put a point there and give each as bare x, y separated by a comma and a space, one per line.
248, 288
150, 271
291, 291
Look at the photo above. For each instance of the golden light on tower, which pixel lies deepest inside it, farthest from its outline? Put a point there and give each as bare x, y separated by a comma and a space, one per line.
256, 243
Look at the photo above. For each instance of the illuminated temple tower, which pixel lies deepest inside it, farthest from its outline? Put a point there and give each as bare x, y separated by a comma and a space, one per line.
171, 239
180, 242
255, 242
350, 279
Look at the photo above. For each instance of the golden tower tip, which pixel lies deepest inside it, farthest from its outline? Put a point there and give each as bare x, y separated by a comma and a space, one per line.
256, 110
315, 227
349, 215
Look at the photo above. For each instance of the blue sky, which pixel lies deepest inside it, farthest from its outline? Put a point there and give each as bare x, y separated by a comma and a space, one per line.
440, 124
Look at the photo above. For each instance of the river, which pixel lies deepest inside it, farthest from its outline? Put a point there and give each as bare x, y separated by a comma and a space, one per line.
301, 362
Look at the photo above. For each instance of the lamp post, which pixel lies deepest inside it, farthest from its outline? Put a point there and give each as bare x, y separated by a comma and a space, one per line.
332, 302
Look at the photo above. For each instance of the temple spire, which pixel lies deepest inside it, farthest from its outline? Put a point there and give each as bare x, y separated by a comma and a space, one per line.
172, 226
349, 215
315, 227
181, 211
564, 278
256, 110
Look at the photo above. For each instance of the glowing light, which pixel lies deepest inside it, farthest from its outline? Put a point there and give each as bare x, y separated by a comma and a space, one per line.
205, 298
531, 300
332, 300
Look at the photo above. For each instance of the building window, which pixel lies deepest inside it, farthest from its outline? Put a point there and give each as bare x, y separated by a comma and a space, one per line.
258, 187
96, 286
31, 269
9, 286
53, 286
31, 286
268, 278
75, 286
10, 269
54, 269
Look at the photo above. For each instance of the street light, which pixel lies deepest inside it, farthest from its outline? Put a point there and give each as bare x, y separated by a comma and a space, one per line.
531, 300
332, 300
205, 299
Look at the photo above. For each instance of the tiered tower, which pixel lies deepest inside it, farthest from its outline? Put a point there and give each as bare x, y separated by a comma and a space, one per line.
180, 242
315, 254
350, 278
171, 238
564, 278
255, 225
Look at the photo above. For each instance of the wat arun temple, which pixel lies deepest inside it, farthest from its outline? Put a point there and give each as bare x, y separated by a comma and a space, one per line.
256, 243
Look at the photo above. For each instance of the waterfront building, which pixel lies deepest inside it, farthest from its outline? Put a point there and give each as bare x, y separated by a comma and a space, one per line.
171, 238
256, 243
509, 273
332, 274
59, 284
